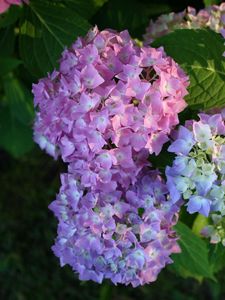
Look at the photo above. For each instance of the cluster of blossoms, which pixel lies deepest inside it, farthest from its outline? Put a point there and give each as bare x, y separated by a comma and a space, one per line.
198, 171
5, 4
111, 104
212, 17
125, 236
108, 93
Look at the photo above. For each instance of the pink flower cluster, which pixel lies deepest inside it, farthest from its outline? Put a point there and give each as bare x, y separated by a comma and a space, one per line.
108, 94
5, 4
125, 236
212, 17
111, 104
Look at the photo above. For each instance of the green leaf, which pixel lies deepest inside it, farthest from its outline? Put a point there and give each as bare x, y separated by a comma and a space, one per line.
188, 114
105, 292
15, 137
7, 41
46, 29
19, 99
199, 223
217, 257
86, 8
8, 64
133, 15
16, 115
193, 261
199, 52
211, 2
162, 160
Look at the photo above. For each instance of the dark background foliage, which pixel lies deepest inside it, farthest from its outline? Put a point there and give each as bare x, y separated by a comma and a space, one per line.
30, 179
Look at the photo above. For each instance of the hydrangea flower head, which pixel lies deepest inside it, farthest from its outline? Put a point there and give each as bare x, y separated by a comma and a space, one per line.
109, 95
5, 4
125, 236
109, 105
197, 174
212, 17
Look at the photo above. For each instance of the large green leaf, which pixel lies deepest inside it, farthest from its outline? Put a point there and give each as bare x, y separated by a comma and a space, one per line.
7, 41
19, 99
199, 52
45, 30
193, 261
85, 8
8, 64
16, 115
217, 257
211, 2
15, 137
133, 15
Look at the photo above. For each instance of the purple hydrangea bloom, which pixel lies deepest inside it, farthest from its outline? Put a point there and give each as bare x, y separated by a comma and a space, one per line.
125, 235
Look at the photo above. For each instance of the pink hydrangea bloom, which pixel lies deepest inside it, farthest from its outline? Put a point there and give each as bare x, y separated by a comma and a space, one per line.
109, 94
212, 17
5, 4
125, 235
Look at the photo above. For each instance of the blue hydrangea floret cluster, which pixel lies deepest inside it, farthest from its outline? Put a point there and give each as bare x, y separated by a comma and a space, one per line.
197, 175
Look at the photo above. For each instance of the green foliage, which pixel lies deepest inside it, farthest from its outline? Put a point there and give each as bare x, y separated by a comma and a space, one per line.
199, 223
16, 138
193, 261
133, 15
16, 114
211, 2
7, 41
162, 160
7, 64
217, 257
19, 99
46, 28
199, 52
86, 8
105, 292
